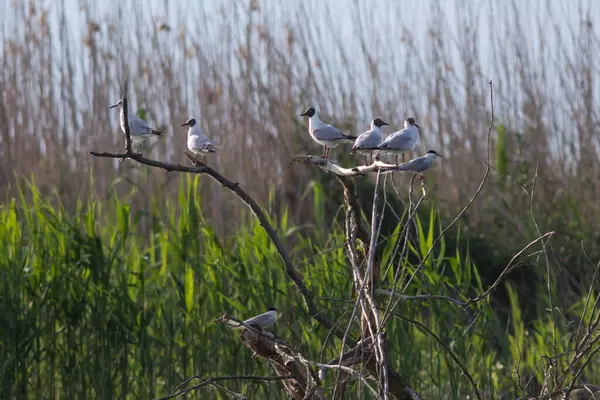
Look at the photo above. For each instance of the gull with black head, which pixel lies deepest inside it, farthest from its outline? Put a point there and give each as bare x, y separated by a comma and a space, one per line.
258, 322
419, 164
324, 134
401, 141
367, 142
198, 142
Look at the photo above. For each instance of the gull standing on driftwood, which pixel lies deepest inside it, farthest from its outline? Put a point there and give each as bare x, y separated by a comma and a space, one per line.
197, 142
367, 142
258, 322
138, 128
419, 164
401, 141
324, 134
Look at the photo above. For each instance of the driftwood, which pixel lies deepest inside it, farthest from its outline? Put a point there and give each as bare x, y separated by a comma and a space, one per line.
285, 361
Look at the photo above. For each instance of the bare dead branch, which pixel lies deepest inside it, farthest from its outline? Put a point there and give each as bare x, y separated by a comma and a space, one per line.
412, 212
565, 392
354, 229
282, 358
421, 297
372, 278
475, 195
582, 368
335, 169
212, 380
235, 188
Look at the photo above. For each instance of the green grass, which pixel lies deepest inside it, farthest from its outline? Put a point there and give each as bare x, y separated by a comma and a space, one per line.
96, 304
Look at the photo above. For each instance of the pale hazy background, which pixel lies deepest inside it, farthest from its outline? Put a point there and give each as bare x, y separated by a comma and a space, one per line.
246, 69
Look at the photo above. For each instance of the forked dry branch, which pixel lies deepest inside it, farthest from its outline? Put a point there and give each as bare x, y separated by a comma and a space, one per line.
366, 277
261, 344
296, 372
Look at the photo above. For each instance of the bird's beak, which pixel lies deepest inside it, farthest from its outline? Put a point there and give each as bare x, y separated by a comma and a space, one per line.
417, 126
185, 124
114, 105
441, 155
385, 123
303, 114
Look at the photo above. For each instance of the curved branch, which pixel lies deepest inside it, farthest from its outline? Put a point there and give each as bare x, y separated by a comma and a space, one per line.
335, 169
211, 381
421, 297
355, 229
235, 188
466, 207
509, 267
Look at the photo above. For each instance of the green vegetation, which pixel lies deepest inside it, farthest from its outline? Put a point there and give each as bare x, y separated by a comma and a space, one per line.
92, 305
112, 273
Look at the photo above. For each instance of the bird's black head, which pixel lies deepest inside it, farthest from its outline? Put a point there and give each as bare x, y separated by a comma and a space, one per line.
379, 122
411, 121
190, 122
308, 113
272, 309
434, 152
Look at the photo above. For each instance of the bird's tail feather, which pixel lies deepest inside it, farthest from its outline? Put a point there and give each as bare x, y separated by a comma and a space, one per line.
232, 324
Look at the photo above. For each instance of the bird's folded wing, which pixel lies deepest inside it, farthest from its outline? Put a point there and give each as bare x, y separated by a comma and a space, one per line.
328, 133
199, 142
416, 164
400, 141
366, 140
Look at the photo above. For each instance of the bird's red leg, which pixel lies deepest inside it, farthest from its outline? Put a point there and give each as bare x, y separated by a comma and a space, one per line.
326, 152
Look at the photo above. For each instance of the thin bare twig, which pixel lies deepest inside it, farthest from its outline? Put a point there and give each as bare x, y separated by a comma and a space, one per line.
421, 297
567, 391
464, 209
581, 369
331, 167
354, 230
509, 267
369, 276
412, 212
539, 233
210, 381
